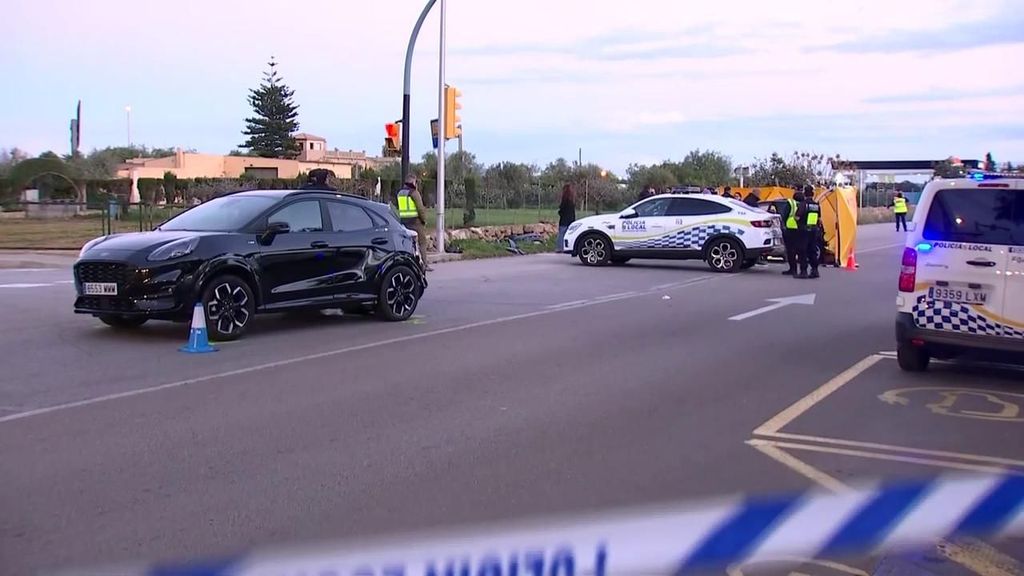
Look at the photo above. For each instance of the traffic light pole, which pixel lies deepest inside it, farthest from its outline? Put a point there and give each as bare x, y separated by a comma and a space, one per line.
407, 88
441, 123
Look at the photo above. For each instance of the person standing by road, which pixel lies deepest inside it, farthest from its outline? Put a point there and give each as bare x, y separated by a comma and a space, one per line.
753, 199
567, 214
812, 235
413, 215
899, 209
791, 232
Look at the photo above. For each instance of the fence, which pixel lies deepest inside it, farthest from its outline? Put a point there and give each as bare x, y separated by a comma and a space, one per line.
469, 202
69, 225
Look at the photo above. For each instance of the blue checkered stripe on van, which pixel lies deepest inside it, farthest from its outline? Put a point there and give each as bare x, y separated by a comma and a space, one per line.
954, 317
688, 238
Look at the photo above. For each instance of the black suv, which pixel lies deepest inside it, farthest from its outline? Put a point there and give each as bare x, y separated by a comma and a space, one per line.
255, 251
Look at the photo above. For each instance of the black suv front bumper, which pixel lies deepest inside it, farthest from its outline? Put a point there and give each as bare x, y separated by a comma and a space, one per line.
163, 292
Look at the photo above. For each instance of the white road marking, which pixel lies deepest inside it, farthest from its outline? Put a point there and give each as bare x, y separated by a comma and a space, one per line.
805, 299
17, 285
319, 355
4, 270
804, 404
615, 296
802, 468
564, 304
878, 248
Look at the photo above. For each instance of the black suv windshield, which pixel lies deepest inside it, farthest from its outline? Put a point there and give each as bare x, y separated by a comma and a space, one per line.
224, 214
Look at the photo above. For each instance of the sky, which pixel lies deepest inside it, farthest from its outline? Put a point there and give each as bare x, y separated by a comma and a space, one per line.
639, 81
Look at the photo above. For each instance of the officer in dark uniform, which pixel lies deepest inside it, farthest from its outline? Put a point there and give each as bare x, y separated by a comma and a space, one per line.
811, 211
798, 209
317, 180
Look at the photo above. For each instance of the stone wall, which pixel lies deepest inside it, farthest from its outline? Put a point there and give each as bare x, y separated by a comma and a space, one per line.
495, 233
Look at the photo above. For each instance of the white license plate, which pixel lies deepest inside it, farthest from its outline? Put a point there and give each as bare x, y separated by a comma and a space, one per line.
99, 289
959, 295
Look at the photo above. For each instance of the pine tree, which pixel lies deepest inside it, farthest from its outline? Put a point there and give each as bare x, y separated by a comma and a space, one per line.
270, 130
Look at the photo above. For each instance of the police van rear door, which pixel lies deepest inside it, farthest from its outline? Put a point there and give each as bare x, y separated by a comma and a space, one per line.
963, 258
1013, 300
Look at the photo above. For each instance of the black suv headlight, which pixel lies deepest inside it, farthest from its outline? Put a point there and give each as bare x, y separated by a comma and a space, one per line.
173, 250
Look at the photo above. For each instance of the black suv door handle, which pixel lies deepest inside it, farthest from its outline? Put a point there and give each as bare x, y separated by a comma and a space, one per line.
319, 244
982, 263
379, 241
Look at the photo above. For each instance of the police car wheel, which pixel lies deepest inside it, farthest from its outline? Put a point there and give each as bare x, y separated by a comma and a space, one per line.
595, 250
229, 306
911, 358
399, 295
724, 255
115, 321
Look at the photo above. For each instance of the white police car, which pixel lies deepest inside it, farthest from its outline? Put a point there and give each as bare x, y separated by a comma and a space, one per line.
961, 284
726, 233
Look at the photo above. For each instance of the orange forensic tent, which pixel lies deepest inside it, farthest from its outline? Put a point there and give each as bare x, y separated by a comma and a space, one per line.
838, 215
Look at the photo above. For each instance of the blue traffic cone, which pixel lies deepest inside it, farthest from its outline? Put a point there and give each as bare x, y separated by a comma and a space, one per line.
198, 340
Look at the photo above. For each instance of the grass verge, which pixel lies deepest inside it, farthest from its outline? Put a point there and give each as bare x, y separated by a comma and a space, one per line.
473, 249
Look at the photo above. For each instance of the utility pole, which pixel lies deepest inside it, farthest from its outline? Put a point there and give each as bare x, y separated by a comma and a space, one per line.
441, 101
407, 88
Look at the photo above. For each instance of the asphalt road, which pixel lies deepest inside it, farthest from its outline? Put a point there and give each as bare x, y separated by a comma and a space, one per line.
523, 386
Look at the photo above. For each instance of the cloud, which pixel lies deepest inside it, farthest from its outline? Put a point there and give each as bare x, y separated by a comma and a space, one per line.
1005, 28
946, 95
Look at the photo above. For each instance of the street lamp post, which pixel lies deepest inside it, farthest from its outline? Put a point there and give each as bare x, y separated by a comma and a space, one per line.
407, 88
128, 118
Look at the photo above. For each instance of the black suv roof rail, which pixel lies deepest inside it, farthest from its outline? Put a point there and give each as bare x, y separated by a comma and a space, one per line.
331, 192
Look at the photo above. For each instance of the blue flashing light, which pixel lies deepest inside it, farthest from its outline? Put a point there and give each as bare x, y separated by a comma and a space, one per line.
924, 247
979, 176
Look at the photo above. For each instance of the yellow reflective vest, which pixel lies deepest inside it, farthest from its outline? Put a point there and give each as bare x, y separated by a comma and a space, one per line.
899, 205
791, 223
406, 205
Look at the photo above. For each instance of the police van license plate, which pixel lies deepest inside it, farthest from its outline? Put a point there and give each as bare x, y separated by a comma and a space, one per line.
99, 289
958, 295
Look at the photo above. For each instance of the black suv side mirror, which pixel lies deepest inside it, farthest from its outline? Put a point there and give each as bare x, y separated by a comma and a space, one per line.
273, 229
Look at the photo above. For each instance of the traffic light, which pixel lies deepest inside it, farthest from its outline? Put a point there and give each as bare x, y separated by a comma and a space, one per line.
452, 121
393, 138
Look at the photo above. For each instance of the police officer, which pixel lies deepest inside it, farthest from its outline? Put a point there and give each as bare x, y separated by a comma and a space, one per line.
899, 209
413, 215
811, 212
317, 180
791, 232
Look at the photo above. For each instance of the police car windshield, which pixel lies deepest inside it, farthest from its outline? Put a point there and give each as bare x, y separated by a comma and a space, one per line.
979, 216
224, 214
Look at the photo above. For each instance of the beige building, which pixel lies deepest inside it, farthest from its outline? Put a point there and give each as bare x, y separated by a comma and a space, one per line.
314, 154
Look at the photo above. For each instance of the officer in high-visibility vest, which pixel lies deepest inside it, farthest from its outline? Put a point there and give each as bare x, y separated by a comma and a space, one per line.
899, 208
811, 212
791, 232
413, 215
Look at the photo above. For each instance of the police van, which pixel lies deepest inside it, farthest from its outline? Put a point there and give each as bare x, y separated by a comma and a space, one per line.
725, 233
961, 284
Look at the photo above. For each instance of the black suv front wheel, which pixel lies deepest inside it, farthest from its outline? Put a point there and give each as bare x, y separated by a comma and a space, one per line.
229, 306
399, 295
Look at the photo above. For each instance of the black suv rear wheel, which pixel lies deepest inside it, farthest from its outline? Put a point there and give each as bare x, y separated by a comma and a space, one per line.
399, 295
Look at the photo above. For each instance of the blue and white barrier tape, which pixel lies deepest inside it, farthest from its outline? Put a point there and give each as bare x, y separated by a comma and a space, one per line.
676, 539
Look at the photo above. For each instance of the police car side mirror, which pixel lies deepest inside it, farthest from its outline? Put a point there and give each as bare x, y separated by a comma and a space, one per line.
628, 213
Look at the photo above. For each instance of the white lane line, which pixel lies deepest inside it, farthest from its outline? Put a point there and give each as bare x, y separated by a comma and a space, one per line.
64, 282
16, 285
663, 286
4, 270
319, 355
564, 304
878, 248
615, 296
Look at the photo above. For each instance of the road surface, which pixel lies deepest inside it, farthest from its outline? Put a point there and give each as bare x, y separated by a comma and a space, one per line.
523, 386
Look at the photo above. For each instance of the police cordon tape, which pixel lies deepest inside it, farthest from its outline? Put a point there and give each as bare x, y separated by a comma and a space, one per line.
672, 539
